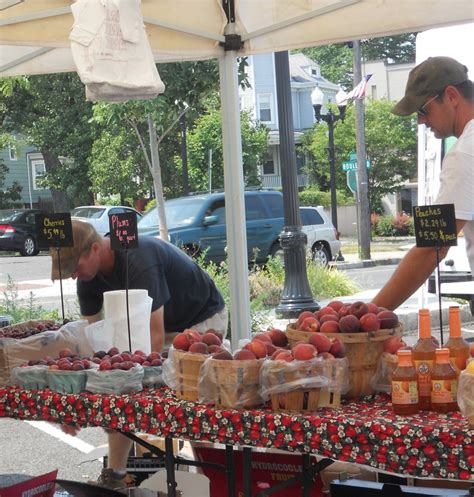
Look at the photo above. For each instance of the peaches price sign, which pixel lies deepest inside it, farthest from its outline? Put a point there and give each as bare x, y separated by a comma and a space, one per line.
54, 230
435, 225
123, 231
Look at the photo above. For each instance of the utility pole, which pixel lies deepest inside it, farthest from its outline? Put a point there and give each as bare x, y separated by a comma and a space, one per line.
363, 211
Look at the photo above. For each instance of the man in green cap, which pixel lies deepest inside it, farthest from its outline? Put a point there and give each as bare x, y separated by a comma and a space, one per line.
442, 95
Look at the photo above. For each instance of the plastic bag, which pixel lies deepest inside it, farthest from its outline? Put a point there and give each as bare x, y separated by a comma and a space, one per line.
281, 376
382, 379
14, 352
66, 381
115, 381
465, 396
30, 377
153, 376
230, 383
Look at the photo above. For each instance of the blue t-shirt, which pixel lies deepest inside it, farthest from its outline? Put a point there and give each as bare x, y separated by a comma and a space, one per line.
173, 280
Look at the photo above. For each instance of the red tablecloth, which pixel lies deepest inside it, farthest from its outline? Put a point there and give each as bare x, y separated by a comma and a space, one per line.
364, 431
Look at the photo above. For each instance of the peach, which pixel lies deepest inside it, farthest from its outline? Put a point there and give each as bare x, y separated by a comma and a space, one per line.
138, 358
198, 348
284, 355
244, 355
349, 324
113, 351
388, 320
326, 355
215, 332
214, 348
193, 335
329, 317
153, 355
126, 356
116, 358
66, 353
277, 351
325, 310
369, 322
338, 349
270, 349
304, 315
335, 304
358, 309
224, 355
278, 337
392, 344
373, 308
304, 351
156, 362
310, 324
258, 348
210, 339
330, 327
471, 349
321, 342
263, 337
181, 342
344, 310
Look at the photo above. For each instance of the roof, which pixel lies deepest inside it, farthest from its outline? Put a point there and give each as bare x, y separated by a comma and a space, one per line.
299, 74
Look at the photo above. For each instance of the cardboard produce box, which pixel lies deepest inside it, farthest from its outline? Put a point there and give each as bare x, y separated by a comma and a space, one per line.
14, 352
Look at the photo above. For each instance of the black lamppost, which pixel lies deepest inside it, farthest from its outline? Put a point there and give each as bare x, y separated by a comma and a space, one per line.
330, 119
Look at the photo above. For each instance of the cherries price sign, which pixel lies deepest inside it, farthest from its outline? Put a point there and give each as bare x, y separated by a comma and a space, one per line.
54, 230
123, 231
435, 225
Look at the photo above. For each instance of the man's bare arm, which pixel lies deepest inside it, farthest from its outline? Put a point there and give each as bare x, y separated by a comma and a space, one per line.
157, 330
411, 273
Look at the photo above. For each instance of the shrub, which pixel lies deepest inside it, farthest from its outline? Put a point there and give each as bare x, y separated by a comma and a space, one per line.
313, 196
385, 227
400, 225
403, 224
374, 221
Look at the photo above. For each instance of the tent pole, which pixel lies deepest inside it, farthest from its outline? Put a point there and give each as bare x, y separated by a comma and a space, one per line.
234, 196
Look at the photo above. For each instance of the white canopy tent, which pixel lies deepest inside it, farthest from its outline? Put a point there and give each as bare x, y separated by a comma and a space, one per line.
34, 40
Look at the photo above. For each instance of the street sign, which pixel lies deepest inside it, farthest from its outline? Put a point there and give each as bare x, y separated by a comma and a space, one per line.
352, 165
351, 175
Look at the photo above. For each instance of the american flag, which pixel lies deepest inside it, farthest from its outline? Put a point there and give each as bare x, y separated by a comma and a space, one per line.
359, 90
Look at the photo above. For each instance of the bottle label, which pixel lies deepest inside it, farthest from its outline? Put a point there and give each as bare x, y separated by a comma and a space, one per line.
405, 392
444, 391
424, 368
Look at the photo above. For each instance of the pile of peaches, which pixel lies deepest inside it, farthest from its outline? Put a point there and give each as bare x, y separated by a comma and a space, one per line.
272, 344
338, 317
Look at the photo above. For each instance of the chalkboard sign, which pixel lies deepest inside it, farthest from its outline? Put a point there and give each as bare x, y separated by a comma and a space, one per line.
123, 231
54, 230
435, 225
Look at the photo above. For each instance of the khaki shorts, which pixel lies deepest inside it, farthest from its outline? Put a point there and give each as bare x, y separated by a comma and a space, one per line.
219, 322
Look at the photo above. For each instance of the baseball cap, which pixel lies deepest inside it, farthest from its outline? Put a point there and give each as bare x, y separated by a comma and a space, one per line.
84, 235
428, 78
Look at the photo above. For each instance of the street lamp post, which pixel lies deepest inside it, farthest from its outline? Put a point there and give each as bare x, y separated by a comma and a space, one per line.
330, 119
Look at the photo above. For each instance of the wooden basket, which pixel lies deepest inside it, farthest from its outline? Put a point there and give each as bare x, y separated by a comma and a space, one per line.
236, 382
187, 366
363, 351
303, 399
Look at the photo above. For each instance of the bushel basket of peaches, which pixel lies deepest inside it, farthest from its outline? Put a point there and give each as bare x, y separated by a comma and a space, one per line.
362, 328
189, 351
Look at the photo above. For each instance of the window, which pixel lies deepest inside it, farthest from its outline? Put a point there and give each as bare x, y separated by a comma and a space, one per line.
269, 164
12, 153
253, 208
373, 92
265, 108
274, 204
310, 217
217, 209
37, 172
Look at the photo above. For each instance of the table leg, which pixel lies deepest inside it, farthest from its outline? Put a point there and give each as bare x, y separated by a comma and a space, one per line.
169, 463
230, 470
247, 471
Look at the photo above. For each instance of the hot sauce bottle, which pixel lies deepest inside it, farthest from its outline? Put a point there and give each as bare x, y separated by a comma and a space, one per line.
405, 385
444, 383
458, 347
423, 354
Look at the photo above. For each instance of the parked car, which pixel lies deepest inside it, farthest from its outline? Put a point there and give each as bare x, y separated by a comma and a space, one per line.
18, 230
98, 215
197, 224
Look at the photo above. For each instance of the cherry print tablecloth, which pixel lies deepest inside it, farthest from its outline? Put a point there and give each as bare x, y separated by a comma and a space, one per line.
364, 431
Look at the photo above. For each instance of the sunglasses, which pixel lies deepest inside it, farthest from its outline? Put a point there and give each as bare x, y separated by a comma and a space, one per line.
422, 111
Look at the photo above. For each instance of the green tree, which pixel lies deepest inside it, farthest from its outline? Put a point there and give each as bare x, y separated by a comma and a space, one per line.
336, 60
52, 114
9, 194
207, 135
390, 143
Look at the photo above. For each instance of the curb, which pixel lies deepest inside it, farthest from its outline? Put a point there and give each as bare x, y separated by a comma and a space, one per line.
366, 263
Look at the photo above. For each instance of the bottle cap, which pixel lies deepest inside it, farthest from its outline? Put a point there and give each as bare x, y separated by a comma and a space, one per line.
454, 322
424, 323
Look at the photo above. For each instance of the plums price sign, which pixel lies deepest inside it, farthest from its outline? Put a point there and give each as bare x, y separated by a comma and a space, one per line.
435, 225
123, 231
54, 230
